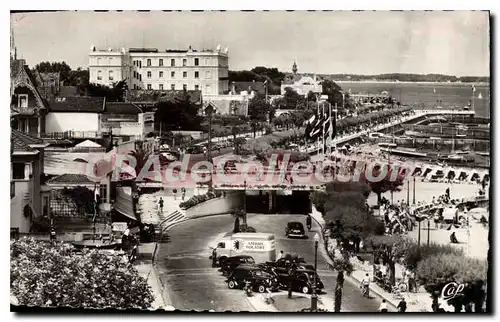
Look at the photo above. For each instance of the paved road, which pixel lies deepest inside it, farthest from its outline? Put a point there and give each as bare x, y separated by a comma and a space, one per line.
193, 284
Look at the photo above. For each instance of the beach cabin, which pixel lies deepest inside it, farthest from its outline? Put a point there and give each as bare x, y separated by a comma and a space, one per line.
474, 176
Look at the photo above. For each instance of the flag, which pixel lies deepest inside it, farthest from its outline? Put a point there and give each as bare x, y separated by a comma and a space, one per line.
265, 82
318, 126
310, 123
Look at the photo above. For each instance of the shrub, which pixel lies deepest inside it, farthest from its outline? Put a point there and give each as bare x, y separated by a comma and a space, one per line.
194, 200
43, 275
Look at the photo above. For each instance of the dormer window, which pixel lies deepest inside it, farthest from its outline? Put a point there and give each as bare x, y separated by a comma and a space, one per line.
22, 100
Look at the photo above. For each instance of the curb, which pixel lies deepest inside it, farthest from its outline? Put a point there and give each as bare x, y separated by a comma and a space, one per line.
324, 253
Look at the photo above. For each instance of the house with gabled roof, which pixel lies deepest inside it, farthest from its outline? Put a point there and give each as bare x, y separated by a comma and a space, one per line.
29, 107
301, 83
27, 201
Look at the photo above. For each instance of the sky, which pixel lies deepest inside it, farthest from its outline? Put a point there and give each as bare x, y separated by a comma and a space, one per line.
369, 42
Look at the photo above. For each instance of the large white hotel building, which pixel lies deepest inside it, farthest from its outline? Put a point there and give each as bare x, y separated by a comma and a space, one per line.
152, 69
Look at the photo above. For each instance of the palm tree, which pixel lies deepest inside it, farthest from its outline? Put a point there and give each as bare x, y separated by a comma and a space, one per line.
237, 215
341, 265
141, 158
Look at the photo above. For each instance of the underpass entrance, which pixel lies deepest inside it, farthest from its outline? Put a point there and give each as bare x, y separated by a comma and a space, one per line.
278, 202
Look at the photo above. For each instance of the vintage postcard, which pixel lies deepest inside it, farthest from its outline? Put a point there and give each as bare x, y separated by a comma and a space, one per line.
250, 161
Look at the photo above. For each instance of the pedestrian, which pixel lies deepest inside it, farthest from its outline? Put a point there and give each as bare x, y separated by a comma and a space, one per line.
183, 193
412, 285
365, 285
160, 202
309, 222
214, 257
402, 305
383, 306
280, 255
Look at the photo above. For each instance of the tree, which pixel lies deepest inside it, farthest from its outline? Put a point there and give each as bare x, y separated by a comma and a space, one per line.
344, 209
384, 185
389, 249
435, 271
239, 214
258, 111
343, 266
334, 92
238, 143
178, 113
43, 275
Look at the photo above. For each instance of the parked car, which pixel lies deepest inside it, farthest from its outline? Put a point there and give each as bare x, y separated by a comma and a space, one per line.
302, 280
259, 279
295, 229
194, 149
228, 264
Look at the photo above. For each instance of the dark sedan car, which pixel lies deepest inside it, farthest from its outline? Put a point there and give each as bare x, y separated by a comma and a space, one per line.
229, 264
258, 279
295, 229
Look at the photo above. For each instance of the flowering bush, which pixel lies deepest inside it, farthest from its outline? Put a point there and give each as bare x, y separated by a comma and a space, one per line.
44, 275
194, 200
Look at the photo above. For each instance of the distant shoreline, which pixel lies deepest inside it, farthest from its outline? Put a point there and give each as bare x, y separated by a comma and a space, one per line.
407, 82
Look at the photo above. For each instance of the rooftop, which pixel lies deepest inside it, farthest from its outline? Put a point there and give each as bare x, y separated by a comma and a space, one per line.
82, 104
70, 179
122, 108
22, 142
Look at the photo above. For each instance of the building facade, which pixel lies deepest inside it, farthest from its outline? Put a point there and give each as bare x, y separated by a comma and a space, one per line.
27, 201
301, 83
152, 69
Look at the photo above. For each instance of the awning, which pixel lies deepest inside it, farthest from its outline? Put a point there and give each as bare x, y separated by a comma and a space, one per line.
124, 203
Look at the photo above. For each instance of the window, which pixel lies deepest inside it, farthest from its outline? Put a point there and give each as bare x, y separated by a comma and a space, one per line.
184, 62
20, 171
161, 87
135, 86
196, 87
110, 75
185, 87
149, 87
196, 62
172, 74
22, 100
98, 61
207, 74
135, 74
207, 61
172, 62
149, 74
103, 192
184, 74
196, 74
99, 74
134, 62
140, 77
207, 89
140, 63
160, 74
148, 62
160, 62
172, 87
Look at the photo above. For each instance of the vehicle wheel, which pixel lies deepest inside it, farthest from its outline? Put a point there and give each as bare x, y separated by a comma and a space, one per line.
305, 290
231, 284
262, 289
222, 260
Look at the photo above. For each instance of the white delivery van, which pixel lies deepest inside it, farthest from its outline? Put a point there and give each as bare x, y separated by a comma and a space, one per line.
261, 246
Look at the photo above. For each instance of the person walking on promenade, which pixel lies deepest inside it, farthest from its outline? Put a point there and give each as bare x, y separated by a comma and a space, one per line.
160, 203
309, 222
402, 306
365, 285
280, 255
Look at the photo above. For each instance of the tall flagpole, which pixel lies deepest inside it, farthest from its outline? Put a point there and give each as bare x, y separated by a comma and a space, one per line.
323, 132
473, 91
330, 129
319, 119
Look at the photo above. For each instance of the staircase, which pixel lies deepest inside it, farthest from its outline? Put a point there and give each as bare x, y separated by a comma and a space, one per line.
168, 220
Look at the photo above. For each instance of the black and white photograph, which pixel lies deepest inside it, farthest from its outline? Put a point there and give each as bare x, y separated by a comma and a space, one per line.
250, 161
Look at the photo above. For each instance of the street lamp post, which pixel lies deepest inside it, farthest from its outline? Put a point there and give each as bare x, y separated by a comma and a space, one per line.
209, 110
314, 297
414, 186
428, 232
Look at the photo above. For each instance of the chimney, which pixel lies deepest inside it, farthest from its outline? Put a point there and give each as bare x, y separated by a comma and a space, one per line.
233, 88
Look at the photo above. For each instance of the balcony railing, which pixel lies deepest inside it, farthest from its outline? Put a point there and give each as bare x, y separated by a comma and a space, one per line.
27, 110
